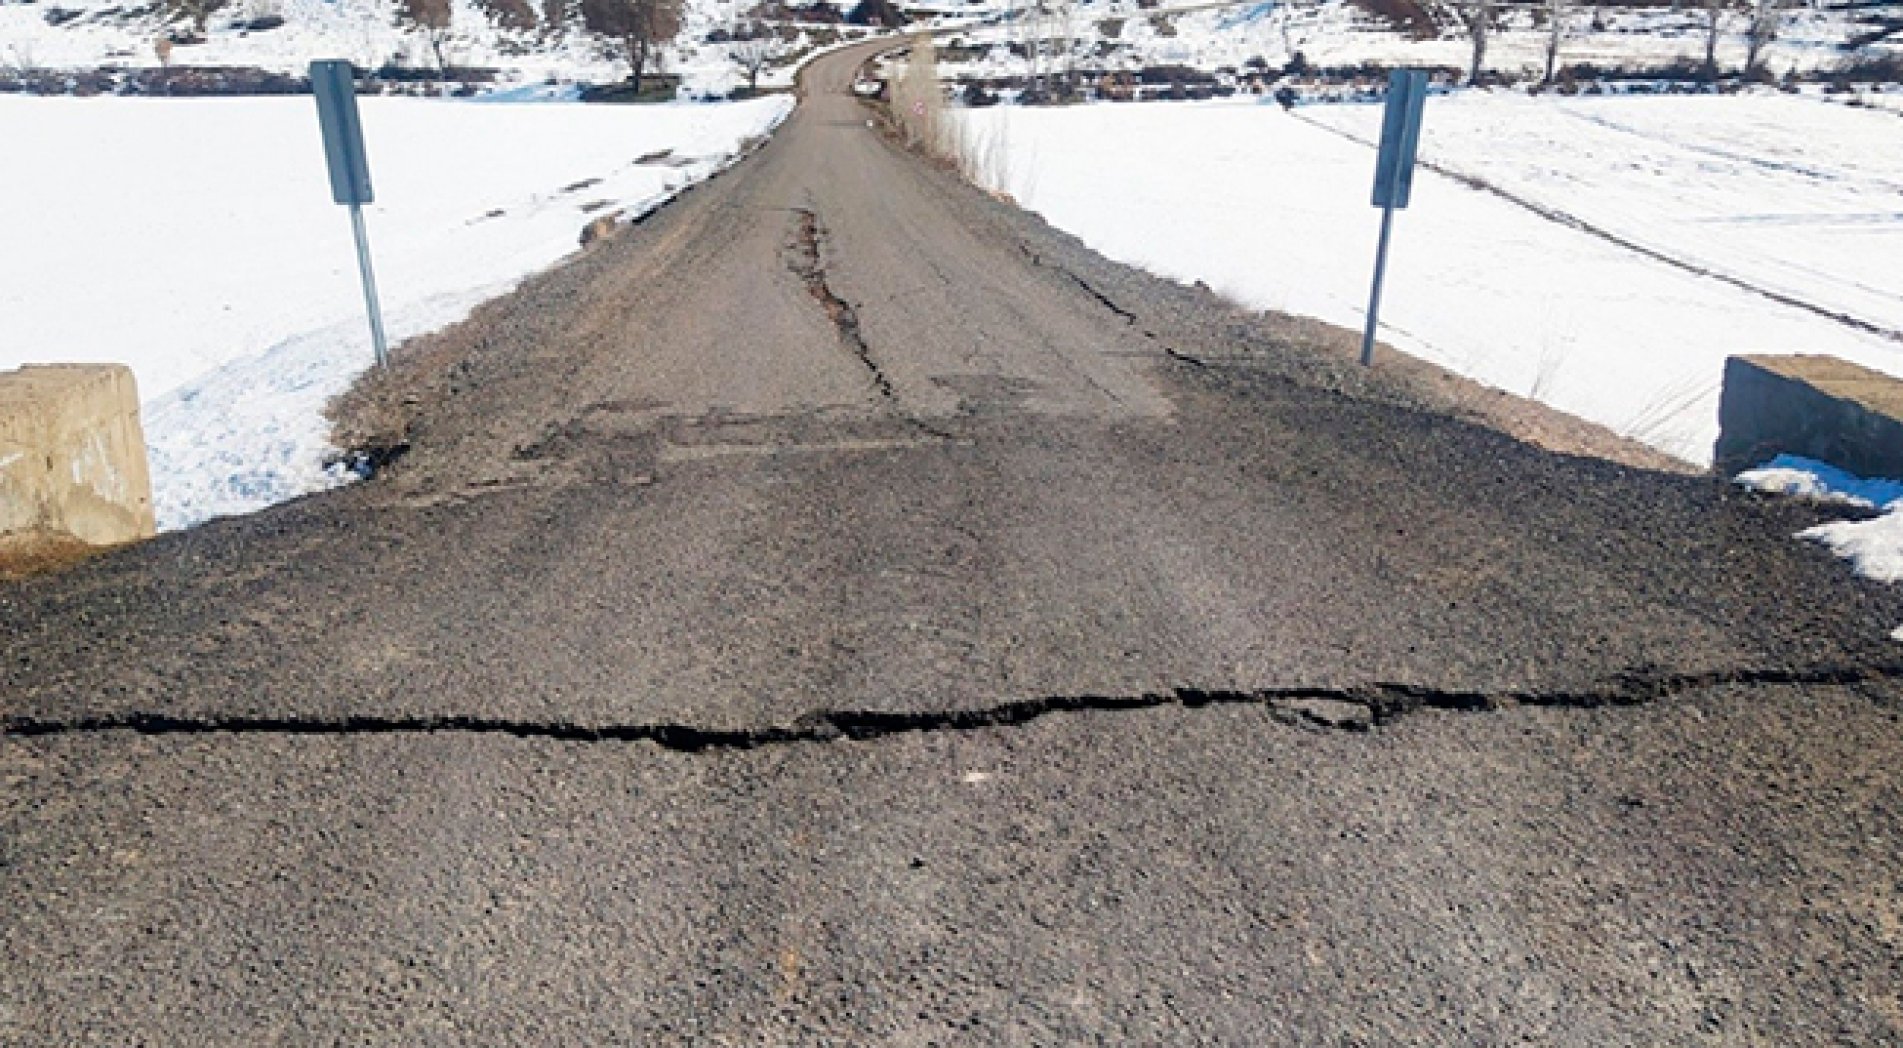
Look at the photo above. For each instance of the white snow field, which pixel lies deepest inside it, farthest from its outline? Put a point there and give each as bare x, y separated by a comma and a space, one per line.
1782, 191
1272, 209
195, 240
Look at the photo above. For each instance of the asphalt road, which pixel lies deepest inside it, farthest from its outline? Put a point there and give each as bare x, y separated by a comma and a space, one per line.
841, 609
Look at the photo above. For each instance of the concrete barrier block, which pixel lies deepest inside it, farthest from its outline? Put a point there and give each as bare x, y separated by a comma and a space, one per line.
1816, 406
72, 457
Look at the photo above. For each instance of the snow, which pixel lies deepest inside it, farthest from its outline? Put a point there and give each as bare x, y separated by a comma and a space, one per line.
1874, 547
542, 63
195, 240
1338, 34
1781, 191
532, 64
366, 32
1808, 478
1272, 210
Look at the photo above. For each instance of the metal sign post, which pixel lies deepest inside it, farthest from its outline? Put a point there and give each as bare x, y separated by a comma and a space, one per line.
1393, 177
334, 83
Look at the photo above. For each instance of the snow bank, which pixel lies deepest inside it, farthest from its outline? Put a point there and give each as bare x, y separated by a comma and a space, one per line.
195, 240
1272, 209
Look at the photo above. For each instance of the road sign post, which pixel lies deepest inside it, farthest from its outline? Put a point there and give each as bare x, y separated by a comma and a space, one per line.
335, 85
1393, 177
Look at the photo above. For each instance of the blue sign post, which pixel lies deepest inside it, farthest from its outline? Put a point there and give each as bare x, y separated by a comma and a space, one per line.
1393, 176
335, 85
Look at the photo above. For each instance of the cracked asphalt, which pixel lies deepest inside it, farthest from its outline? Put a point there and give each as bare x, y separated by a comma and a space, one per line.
843, 610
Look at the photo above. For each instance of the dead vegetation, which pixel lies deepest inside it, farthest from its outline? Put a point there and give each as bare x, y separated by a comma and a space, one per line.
25, 556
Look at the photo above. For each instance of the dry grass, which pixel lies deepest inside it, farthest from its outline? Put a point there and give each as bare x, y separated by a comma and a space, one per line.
918, 109
23, 556
918, 102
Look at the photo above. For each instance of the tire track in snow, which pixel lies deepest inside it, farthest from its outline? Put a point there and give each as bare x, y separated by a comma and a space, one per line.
1566, 218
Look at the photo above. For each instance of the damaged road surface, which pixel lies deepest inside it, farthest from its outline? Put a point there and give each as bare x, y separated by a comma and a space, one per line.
842, 610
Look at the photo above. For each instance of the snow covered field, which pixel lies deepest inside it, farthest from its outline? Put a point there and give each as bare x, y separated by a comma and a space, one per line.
1272, 209
367, 32
1782, 191
195, 240
106, 33
1123, 34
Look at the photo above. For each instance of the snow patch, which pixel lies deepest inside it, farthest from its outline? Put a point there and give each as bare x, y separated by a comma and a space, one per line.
252, 433
1874, 547
1809, 478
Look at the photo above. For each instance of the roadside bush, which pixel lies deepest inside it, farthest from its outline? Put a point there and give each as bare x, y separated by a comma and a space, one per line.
876, 12
918, 103
1682, 70
1871, 69
516, 15
1407, 16
976, 97
1174, 74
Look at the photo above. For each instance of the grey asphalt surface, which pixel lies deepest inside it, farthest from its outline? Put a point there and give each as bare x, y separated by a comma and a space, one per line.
843, 610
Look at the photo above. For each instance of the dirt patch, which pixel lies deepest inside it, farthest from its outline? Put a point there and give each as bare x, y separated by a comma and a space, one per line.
1516, 416
40, 555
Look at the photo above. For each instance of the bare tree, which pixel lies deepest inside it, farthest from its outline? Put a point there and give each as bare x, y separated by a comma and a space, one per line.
754, 47
640, 27
1292, 41
197, 11
431, 18
1557, 13
162, 47
1064, 45
516, 15
1766, 19
1477, 15
1715, 18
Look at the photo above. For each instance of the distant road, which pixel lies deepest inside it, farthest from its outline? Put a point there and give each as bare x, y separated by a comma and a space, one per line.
844, 610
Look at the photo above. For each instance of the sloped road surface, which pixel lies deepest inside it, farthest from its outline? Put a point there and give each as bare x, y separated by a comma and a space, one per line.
841, 610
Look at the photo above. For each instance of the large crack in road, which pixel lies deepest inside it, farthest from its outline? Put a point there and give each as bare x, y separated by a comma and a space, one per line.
807, 259
1356, 709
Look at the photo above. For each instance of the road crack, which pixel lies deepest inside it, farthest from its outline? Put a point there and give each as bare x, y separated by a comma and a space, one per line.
1088, 288
1361, 708
807, 260
1128, 317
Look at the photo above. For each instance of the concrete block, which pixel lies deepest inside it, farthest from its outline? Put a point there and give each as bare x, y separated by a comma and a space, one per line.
72, 457
1816, 406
